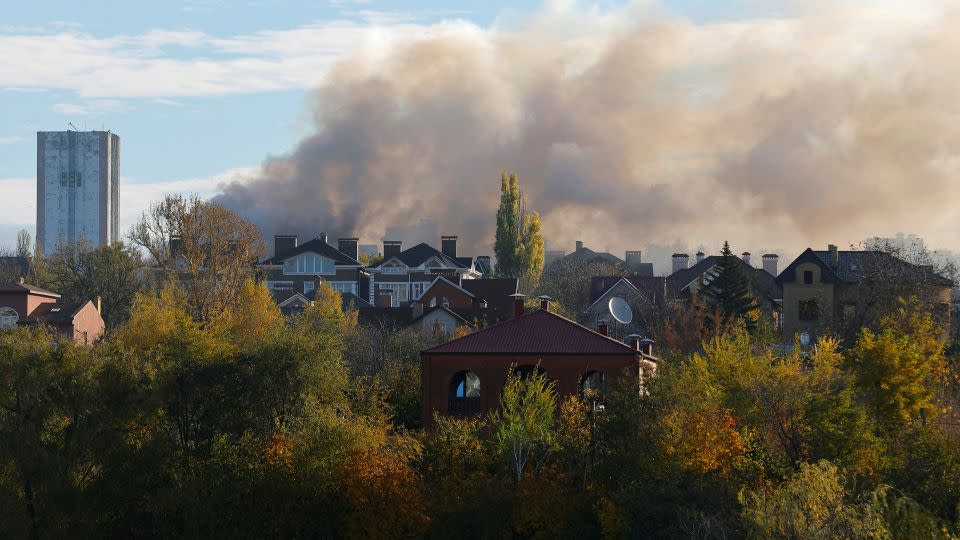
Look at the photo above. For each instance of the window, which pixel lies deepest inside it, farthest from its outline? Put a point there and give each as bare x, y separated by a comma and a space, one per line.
309, 286
70, 179
527, 370
344, 287
417, 290
464, 394
8, 318
849, 310
808, 277
809, 310
309, 263
394, 268
593, 386
398, 290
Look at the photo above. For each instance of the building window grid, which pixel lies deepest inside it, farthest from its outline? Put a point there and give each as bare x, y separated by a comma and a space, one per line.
344, 287
309, 263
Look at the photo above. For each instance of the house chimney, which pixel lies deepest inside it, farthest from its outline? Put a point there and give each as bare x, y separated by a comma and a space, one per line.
603, 329
518, 304
646, 346
284, 244
834, 255
348, 246
448, 246
99, 306
545, 302
416, 310
323, 237
746, 257
633, 260
770, 261
701, 256
391, 248
680, 261
579, 245
633, 340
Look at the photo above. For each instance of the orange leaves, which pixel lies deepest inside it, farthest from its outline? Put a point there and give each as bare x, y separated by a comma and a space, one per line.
383, 493
705, 440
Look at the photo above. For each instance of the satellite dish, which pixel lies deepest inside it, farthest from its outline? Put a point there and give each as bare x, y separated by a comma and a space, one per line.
620, 310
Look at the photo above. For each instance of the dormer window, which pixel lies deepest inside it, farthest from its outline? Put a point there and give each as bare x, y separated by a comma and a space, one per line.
309, 263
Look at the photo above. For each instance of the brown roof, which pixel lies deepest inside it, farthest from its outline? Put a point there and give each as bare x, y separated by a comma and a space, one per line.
495, 291
537, 332
26, 287
55, 313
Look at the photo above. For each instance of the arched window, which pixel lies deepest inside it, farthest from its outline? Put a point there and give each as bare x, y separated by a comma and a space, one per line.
8, 318
593, 386
464, 394
526, 370
809, 310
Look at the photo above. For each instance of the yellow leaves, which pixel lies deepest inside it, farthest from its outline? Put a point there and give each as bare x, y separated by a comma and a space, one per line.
705, 440
153, 317
255, 316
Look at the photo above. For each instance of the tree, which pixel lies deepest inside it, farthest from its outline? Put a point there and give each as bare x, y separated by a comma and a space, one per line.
729, 291
568, 281
524, 425
24, 244
256, 315
899, 368
519, 239
80, 273
508, 233
204, 245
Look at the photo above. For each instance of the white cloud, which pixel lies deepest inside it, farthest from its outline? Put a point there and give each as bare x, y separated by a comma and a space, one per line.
165, 63
90, 108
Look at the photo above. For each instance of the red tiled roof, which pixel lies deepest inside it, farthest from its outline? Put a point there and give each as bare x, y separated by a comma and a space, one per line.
537, 332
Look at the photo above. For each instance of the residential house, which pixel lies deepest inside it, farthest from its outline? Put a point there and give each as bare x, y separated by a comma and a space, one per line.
404, 274
465, 376
823, 288
585, 255
687, 281
23, 304
642, 293
300, 268
488, 301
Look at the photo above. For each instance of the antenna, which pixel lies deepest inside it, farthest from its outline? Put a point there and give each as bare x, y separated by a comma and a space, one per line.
620, 310
73, 126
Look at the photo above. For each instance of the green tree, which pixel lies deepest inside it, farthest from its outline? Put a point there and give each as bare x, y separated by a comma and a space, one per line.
729, 292
524, 425
519, 239
81, 272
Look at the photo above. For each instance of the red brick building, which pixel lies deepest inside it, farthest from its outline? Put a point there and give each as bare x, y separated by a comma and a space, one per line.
22, 304
466, 376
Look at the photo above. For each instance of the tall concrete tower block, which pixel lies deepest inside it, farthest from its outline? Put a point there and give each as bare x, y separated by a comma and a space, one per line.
78, 177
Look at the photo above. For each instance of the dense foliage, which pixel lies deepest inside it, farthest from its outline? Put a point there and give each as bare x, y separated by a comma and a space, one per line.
244, 424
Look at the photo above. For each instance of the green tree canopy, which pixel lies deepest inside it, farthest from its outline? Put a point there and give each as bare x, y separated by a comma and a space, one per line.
519, 240
729, 292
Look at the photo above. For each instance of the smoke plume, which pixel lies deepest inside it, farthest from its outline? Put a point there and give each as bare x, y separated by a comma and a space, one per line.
630, 127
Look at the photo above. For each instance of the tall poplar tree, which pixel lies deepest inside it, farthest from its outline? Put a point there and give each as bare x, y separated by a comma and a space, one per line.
508, 234
729, 292
519, 240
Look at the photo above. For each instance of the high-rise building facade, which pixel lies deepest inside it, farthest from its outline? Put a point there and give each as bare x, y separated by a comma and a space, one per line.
78, 175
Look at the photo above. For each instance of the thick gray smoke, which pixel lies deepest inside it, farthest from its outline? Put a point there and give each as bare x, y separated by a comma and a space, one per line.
834, 124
